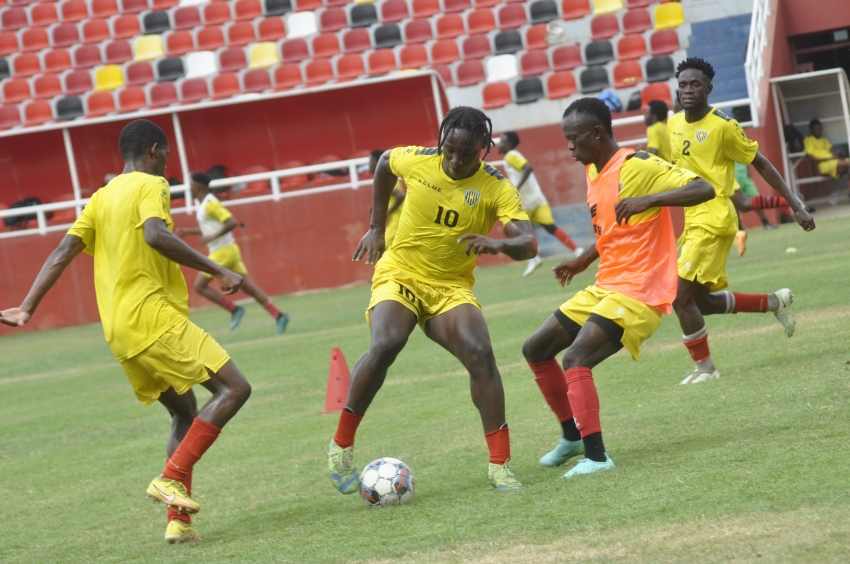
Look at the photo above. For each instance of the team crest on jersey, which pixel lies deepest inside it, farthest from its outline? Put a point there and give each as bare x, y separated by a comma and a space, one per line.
702, 135
471, 197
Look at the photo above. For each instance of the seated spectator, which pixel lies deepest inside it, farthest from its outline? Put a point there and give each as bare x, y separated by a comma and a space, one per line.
819, 149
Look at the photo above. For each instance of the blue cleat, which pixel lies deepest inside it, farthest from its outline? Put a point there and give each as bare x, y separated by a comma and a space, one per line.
563, 451
588, 466
341, 468
236, 318
282, 322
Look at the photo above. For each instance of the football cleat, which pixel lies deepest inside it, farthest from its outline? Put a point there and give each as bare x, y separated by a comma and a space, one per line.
588, 466
783, 314
282, 321
564, 450
697, 376
503, 478
341, 468
740, 241
178, 532
236, 318
173, 494
533, 264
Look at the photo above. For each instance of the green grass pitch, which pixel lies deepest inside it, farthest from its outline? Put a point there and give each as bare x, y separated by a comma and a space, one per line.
752, 467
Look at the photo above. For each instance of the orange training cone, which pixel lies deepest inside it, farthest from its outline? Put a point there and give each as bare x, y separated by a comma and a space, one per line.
338, 380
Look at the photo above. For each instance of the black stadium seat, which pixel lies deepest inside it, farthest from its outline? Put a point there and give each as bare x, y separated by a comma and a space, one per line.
509, 41
170, 68
363, 15
543, 11
155, 23
598, 52
4, 68
659, 69
69, 108
528, 90
594, 79
278, 7
388, 36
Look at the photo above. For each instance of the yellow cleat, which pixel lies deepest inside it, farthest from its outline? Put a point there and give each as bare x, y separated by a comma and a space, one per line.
173, 494
741, 242
502, 477
178, 532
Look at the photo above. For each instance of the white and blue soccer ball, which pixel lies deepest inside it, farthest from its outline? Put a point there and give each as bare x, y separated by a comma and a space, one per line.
385, 482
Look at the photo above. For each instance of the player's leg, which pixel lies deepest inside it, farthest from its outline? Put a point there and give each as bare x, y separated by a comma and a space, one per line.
202, 286
742, 204
562, 236
691, 299
251, 288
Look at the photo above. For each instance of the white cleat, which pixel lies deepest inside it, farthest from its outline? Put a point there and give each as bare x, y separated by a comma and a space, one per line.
578, 251
533, 264
697, 376
783, 314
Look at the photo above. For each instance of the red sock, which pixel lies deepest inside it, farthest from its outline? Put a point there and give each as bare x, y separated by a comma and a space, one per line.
347, 428
549, 377
750, 303
499, 444
584, 400
227, 304
768, 202
698, 348
269, 307
172, 513
200, 436
564, 238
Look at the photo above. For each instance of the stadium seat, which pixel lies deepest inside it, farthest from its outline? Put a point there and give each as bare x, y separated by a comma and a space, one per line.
69, 107
412, 57
528, 90
631, 47
543, 11
271, 29
294, 50
43, 14
294, 181
560, 85
133, 6
13, 19
512, 16
425, 8
34, 39
262, 55
663, 42
594, 79
148, 48
387, 36
225, 85
77, 82
356, 40
240, 34
73, 11
332, 19
99, 104
394, 11
533, 63
669, 16
508, 41
277, 7
164, 4
318, 71
193, 90
138, 73
301, 24
476, 47
627, 74
232, 59
656, 91
179, 43
125, 27
26, 64
256, 81
131, 99
95, 30
216, 13
445, 73
444, 52
87, 56
485, 3
4, 69
57, 60
311, 5
325, 45
286, 76
37, 112
470, 73
170, 68
480, 21
574, 9
349, 67
535, 37
64, 35
15, 90
186, 17
162, 94
598, 52
606, 6
8, 43
245, 10
381, 62
418, 31
496, 95
10, 117
209, 38
501, 67
155, 22
630, 4
660, 68
449, 26
636, 21
104, 8
604, 27
451, 6
363, 15
117, 52
200, 64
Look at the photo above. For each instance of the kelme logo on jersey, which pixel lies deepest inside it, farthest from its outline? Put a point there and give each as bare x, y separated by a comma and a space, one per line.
702, 135
471, 197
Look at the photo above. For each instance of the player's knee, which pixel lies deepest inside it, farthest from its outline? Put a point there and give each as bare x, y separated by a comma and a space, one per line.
480, 354
242, 390
574, 357
386, 346
531, 350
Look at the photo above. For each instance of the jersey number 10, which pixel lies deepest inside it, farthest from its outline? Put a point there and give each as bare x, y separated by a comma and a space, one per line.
450, 219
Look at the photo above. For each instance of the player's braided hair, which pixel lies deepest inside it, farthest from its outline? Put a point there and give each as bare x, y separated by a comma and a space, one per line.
659, 109
139, 136
697, 64
593, 107
470, 119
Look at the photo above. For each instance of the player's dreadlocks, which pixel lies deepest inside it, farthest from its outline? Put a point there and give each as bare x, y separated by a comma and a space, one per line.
593, 107
697, 64
138, 136
470, 119
659, 109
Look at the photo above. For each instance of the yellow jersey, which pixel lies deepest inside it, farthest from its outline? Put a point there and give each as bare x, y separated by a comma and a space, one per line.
140, 293
818, 147
710, 148
396, 213
656, 135
438, 210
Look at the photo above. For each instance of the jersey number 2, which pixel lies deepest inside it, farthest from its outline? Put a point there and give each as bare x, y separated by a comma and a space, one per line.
687, 146
450, 219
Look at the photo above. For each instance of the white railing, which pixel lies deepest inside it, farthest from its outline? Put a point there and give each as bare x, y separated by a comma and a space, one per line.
754, 63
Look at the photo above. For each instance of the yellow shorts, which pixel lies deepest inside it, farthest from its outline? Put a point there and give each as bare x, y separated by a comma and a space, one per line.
230, 257
541, 215
638, 320
425, 300
703, 256
829, 168
179, 359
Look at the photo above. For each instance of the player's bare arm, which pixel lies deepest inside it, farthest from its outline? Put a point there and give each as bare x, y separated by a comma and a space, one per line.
772, 177
568, 268
228, 226
186, 231
691, 194
373, 243
173, 248
520, 244
399, 199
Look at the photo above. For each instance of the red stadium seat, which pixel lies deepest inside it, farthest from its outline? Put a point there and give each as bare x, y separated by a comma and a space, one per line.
78, 82
87, 57
310, 5
15, 90
636, 21
512, 16
574, 9
627, 74
480, 21
209, 38
131, 98
290, 182
257, 187
256, 81
117, 52
604, 27
232, 59
445, 73
99, 104
65, 35
244, 10
381, 61
533, 63
193, 90
74, 11
496, 95
179, 43
663, 42
240, 34
418, 31
413, 57
125, 27
286, 76
216, 13
394, 11
34, 39
57, 60
631, 47
13, 19
332, 19
470, 73
8, 43
186, 17
46, 86
104, 8
425, 8
25, 64
318, 71
325, 45
164, 4
349, 67
560, 85
37, 112
10, 116
444, 52
449, 26
566, 57
95, 30
224, 86
133, 6
456, 5
535, 37
655, 91
356, 40
476, 47
43, 14
638, 3
162, 94
271, 29
138, 73
294, 50
486, 3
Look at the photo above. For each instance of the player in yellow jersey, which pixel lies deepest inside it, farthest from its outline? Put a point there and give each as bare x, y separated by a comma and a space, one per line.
215, 226
707, 142
396, 199
143, 304
655, 119
425, 277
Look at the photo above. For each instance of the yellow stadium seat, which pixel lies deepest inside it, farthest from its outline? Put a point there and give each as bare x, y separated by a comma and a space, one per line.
606, 6
668, 16
148, 48
263, 55
108, 77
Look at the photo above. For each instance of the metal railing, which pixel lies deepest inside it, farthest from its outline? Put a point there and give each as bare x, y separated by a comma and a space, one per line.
754, 63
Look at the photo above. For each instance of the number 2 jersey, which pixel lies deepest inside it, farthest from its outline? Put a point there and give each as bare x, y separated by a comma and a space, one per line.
439, 210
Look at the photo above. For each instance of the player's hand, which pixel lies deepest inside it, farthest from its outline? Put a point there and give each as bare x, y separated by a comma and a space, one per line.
372, 246
480, 245
805, 219
229, 281
568, 268
627, 207
14, 317
182, 232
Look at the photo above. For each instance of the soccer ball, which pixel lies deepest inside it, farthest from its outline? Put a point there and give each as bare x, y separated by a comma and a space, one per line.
386, 482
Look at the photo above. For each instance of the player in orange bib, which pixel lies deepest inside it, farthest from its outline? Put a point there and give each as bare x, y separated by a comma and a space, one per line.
628, 194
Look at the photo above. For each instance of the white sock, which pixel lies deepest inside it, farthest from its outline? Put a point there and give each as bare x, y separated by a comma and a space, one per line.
773, 302
730, 301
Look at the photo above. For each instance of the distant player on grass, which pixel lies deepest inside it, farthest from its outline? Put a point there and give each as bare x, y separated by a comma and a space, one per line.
628, 194
216, 230
143, 304
425, 278
707, 142
521, 174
